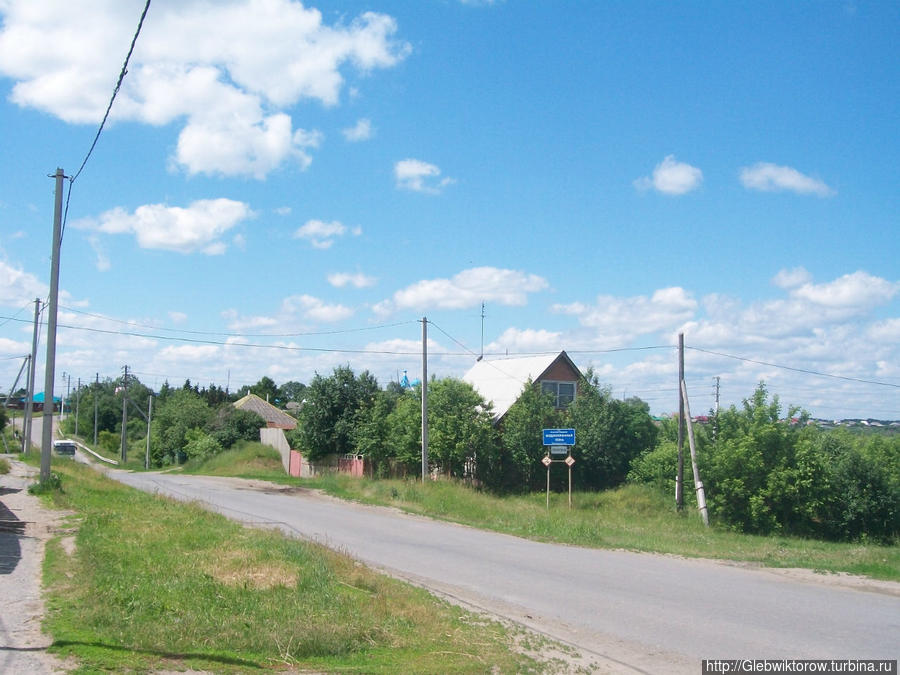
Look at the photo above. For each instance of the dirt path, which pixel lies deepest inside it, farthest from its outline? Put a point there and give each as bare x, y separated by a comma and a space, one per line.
25, 527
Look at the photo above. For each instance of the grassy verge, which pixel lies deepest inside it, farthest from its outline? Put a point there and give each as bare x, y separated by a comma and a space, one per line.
633, 517
158, 585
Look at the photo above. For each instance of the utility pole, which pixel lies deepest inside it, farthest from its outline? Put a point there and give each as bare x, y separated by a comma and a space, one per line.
481, 354
149, 417
96, 391
29, 397
716, 415
77, 403
679, 478
424, 399
125, 416
698, 484
50, 365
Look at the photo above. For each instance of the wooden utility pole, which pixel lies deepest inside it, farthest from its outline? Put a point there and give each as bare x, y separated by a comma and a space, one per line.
50, 365
679, 478
424, 398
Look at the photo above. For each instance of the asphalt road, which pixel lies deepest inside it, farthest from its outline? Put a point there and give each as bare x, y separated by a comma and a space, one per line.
631, 612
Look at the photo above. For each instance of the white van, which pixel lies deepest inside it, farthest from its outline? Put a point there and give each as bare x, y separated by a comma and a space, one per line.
64, 447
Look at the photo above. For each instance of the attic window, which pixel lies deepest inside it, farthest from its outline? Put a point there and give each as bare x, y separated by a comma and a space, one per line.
562, 392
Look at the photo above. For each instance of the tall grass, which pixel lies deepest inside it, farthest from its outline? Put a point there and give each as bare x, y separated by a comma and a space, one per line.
632, 517
155, 584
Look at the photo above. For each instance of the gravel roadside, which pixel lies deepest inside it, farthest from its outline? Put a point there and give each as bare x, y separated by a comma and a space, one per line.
25, 527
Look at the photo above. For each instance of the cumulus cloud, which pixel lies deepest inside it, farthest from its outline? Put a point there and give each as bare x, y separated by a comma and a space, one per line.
791, 278
859, 291
358, 280
631, 317
361, 131
671, 177
419, 176
197, 227
322, 235
526, 340
18, 286
469, 288
315, 309
234, 82
768, 177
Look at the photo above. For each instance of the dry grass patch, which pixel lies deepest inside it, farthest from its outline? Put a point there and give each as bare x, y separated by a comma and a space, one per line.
242, 568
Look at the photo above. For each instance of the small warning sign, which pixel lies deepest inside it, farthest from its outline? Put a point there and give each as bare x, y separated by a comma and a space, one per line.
547, 461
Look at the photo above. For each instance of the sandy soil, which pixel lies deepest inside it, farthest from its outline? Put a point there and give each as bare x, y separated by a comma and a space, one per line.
25, 527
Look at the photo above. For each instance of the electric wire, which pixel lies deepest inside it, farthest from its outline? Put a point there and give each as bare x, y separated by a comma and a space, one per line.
237, 334
796, 370
118, 86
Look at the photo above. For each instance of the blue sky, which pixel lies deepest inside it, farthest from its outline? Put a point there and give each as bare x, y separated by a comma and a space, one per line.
314, 179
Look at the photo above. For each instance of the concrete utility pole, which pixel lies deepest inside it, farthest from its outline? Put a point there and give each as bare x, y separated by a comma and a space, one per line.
125, 416
29, 396
50, 366
77, 403
679, 478
149, 418
424, 398
698, 484
96, 391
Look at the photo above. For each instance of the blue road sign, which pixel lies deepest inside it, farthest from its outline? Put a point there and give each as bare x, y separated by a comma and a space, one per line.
559, 437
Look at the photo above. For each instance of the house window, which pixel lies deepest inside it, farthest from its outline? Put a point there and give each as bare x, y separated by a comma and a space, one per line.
563, 392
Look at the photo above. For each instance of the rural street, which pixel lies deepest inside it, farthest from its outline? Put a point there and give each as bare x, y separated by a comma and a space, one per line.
629, 612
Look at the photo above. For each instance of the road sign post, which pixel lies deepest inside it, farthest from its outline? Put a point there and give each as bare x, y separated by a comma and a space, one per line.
559, 442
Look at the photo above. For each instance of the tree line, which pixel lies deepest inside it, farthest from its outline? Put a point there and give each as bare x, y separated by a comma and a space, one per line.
765, 470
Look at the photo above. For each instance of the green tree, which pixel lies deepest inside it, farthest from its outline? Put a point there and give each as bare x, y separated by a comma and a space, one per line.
332, 407
182, 411
372, 432
460, 432
291, 391
609, 434
229, 425
518, 465
405, 431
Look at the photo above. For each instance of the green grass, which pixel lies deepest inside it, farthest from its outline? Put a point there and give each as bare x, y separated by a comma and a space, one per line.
633, 517
158, 585
254, 460
4, 465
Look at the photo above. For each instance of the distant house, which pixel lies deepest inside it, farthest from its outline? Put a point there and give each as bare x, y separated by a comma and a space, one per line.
277, 422
502, 381
274, 417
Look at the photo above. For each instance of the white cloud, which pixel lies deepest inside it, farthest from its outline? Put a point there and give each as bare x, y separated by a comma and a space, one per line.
769, 177
358, 280
322, 235
855, 292
197, 227
190, 353
18, 287
628, 318
233, 82
178, 317
469, 288
527, 340
791, 278
671, 177
361, 131
419, 176
315, 309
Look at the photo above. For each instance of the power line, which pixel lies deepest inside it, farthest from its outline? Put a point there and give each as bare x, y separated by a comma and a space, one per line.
234, 334
105, 116
796, 370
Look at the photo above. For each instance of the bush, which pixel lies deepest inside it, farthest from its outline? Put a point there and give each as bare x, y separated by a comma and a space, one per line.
200, 446
4, 466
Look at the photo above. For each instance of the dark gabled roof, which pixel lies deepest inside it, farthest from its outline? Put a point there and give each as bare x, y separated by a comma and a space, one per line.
272, 415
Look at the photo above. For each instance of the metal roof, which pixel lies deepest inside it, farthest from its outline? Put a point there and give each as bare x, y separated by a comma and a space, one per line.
501, 381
